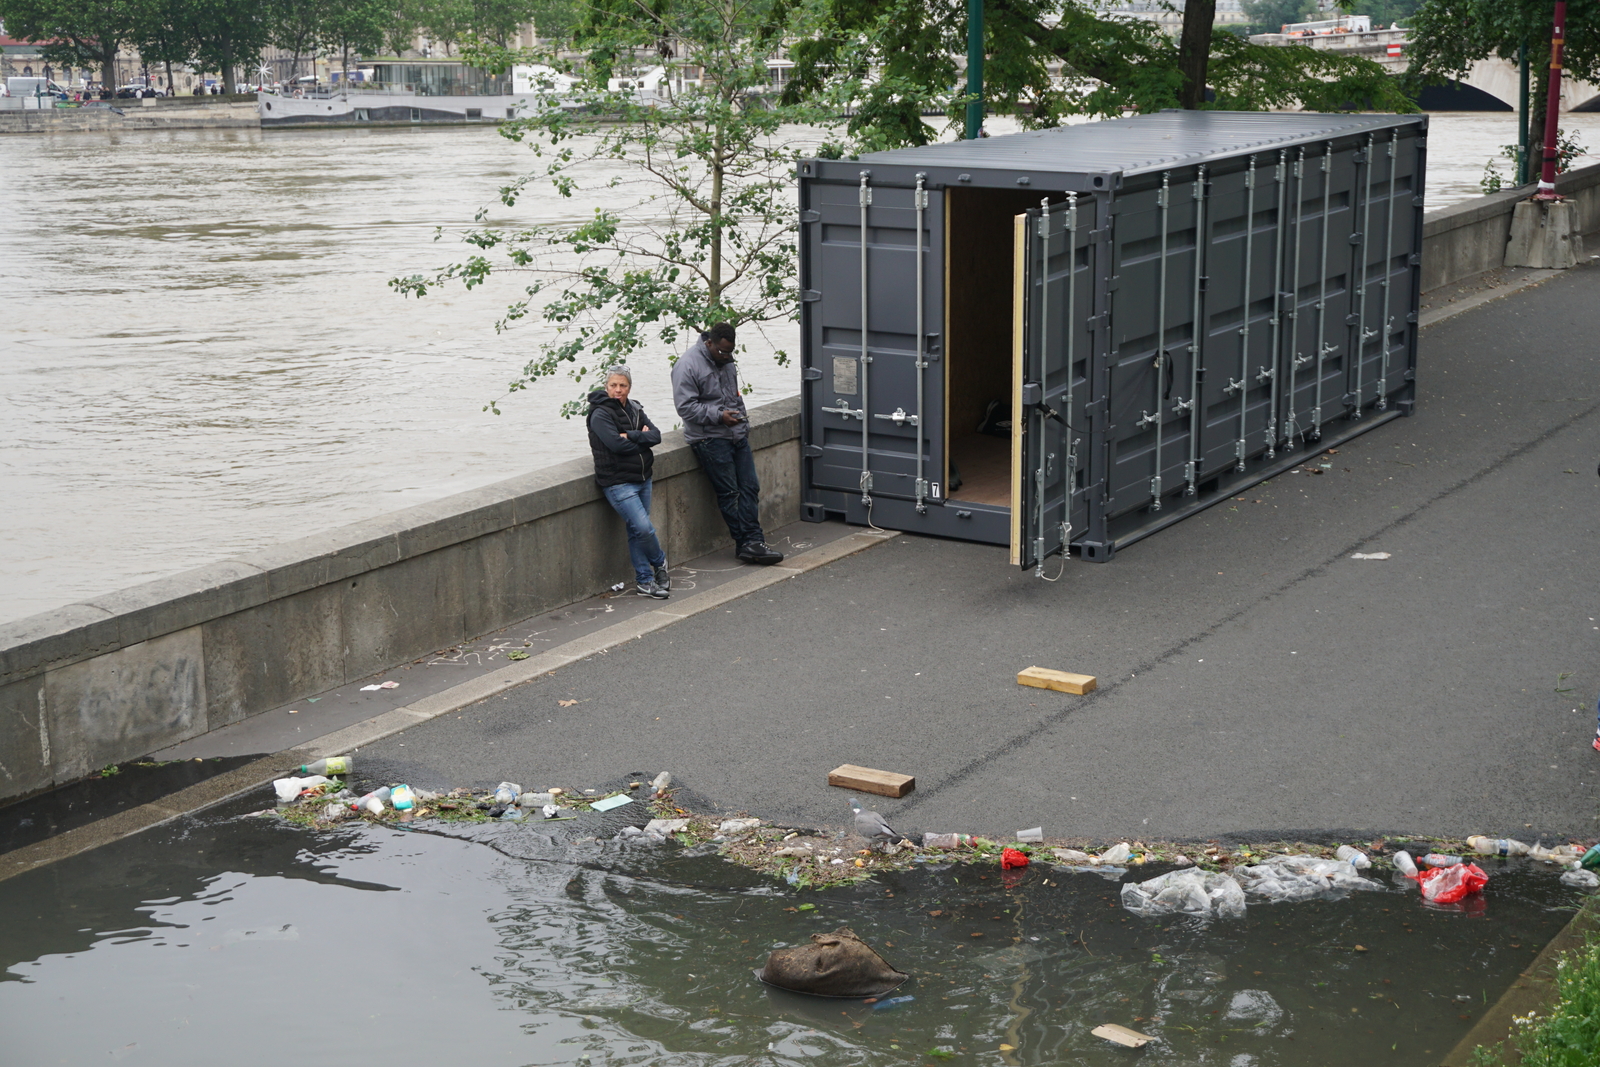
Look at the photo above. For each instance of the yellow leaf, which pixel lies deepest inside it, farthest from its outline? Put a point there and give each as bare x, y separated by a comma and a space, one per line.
566, 703
1008, 1048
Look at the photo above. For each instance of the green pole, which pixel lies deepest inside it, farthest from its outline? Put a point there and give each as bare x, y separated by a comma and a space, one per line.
974, 68
1522, 114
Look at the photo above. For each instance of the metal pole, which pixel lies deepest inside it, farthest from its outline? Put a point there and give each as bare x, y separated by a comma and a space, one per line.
1038, 413
1522, 114
1363, 272
1197, 333
1242, 386
1072, 327
1163, 200
1388, 269
865, 198
974, 69
1270, 372
1290, 426
1558, 34
1323, 347
922, 357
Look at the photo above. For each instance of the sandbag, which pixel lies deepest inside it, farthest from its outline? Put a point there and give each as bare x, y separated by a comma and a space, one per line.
839, 964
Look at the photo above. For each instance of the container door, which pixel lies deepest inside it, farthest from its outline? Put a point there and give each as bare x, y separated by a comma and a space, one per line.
875, 293
1053, 308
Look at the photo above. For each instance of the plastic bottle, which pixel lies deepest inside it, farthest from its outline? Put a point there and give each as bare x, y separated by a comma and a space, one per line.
380, 795
661, 781
331, 765
892, 1002
1405, 864
1118, 853
1591, 859
1354, 856
1496, 846
403, 798
1439, 859
946, 840
506, 793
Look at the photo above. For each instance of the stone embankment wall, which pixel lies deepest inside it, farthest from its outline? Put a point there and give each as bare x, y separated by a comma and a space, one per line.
174, 114
122, 675
125, 674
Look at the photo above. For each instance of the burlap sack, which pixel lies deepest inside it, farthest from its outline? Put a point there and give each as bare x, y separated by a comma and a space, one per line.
839, 964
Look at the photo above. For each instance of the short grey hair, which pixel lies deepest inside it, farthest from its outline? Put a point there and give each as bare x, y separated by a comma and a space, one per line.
622, 369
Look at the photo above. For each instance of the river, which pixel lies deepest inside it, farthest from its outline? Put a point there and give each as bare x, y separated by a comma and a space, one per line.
200, 354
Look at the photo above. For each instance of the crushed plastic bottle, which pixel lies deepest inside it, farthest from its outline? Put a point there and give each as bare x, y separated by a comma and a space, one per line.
892, 1002
376, 797
661, 782
1353, 856
946, 840
1496, 846
331, 765
506, 793
1439, 859
1405, 864
530, 801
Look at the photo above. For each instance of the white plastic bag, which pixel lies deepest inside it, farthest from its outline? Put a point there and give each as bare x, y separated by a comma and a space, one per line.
1581, 879
1116, 854
289, 788
1295, 878
1189, 892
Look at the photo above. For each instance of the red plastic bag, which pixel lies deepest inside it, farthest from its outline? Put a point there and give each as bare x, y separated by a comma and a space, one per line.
1446, 885
1012, 858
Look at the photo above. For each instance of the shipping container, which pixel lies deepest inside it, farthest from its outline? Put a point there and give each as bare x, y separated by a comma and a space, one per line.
1072, 338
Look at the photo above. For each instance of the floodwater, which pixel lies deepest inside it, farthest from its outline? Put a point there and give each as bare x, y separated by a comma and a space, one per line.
200, 354
214, 935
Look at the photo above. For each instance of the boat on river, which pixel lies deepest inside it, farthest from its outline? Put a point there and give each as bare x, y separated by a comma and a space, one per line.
417, 92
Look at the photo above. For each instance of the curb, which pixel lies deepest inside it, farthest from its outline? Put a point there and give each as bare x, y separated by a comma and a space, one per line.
1534, 990
253, 775
1434, 316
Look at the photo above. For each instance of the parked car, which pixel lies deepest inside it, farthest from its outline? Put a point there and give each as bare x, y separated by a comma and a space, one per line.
134, 92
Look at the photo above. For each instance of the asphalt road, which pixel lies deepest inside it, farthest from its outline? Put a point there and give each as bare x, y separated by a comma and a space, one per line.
1254, 679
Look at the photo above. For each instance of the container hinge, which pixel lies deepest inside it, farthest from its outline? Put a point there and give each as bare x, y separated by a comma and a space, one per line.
899, 417
844, 409
810, 216
1098, 322
865, 197
812, 374
1410, 375
1101, 234
1113, 283
1416, 201
1205, 282
1414, 259
812, 451
810, 295
1095, 409
1359, 157
1353, 319
1032, 394
1411, 316
1357, 237
933, 346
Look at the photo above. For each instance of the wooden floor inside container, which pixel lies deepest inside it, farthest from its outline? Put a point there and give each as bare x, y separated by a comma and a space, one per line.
984, 463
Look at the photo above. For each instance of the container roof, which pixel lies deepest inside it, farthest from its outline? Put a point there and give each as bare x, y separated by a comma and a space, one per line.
1142, 143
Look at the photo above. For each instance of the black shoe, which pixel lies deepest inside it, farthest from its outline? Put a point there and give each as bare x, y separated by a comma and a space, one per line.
651, 590
759, 552
663, 579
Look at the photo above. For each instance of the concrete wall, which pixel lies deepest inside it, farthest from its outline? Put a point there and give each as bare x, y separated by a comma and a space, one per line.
122, 675
1469, 238
134, 116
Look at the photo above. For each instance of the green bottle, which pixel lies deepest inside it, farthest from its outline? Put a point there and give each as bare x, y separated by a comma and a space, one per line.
331, 765
1591, 859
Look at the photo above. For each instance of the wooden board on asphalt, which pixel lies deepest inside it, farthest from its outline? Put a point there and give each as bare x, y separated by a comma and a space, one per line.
1060, 681
867, 780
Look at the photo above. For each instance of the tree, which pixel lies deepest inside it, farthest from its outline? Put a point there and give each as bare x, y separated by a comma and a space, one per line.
1047, 59
497, 21
555, 19
229, 34
76, 33
698, 177
1449, 36
355, 26
164, 35
447, 21
296, 28
401, 32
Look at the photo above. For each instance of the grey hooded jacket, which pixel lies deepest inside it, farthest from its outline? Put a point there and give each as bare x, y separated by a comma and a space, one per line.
702, 391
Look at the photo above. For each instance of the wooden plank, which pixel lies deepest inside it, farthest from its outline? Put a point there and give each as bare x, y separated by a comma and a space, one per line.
1121, 1035
1060, 681
867, 780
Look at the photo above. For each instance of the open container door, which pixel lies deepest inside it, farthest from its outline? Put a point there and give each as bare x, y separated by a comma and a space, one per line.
1052, 306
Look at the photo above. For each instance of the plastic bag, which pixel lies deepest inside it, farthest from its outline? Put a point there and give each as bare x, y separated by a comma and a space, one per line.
1446, 885
1189, 892
1296, 878
1581, 879
1012, 858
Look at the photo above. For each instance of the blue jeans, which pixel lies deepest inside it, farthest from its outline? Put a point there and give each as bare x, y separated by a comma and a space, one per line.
632, 502
731, 466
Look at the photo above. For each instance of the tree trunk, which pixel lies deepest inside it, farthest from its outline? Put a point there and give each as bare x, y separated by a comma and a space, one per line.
1536, 109
716, 220
1194, 51
172, 88
108, 69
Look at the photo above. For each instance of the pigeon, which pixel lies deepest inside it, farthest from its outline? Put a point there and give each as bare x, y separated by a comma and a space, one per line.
870, 825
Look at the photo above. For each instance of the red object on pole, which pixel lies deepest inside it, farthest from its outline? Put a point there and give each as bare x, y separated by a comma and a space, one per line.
1558, 41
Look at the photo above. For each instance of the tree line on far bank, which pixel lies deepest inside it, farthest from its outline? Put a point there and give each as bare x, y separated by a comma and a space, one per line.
230, 35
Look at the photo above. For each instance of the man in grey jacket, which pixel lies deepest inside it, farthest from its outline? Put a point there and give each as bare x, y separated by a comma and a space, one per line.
705, 390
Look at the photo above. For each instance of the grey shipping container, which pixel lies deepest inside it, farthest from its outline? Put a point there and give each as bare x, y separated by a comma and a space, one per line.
1072, 338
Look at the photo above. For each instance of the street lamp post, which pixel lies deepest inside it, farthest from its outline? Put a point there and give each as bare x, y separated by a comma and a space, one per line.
1547, 177
974, 69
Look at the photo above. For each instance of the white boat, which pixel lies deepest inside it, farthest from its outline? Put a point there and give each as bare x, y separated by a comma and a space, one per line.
389, 107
